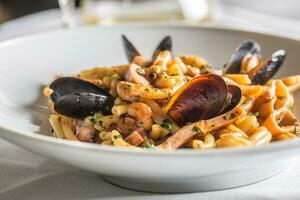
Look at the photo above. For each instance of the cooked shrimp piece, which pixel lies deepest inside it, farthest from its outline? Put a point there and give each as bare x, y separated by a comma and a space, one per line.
142, 113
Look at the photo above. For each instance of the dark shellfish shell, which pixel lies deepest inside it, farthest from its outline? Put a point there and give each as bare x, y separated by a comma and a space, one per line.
247, 47
76, 98
164, 45
81, 105
267, 69
201, 98
130, 50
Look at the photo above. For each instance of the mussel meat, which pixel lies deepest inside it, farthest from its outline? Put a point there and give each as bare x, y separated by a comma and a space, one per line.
132, 52
247, 59
76, 98
202, 98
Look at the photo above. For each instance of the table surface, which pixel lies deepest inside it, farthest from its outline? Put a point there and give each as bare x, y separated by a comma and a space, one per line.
26, 176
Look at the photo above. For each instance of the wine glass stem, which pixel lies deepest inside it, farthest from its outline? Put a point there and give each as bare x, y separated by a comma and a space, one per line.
67, 9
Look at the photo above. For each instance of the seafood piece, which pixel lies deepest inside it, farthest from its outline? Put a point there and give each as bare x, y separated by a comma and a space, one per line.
267, 69
126, 124
76, 98
202, 127
81, 105
135, 74
85, 132
143, 114
136, 138
247, 59
130, 50
164, 45
247, 48
202, 98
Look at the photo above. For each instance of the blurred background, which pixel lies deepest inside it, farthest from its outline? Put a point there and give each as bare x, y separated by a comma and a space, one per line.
281, 16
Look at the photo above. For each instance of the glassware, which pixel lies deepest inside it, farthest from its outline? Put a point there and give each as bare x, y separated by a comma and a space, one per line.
67, 8
124, 11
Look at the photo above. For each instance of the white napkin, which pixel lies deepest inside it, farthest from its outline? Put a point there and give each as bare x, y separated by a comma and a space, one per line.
26, 176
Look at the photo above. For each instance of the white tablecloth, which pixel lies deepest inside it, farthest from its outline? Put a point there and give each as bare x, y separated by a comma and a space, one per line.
26, 176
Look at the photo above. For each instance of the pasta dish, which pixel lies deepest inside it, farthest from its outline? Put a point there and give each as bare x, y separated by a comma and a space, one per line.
171, 102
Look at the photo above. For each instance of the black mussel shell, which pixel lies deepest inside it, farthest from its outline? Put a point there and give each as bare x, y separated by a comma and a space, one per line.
76, 98
247, 47
68, 85
266, 70
164, 45
201, 98
81, 105
130, 50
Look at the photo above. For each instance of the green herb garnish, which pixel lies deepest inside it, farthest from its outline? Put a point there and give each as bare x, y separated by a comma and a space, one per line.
232, 115
117, 136
93, 120
148, 145
128, 86
256, 114
166, 124
198, 130
140, 71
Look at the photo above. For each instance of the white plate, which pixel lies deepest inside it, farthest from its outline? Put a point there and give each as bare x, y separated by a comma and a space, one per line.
28, 63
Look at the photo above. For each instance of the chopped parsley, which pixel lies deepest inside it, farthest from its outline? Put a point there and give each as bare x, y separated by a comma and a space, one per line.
232, 115
128, 86
117, 136
198, 130
100, 123
93, 120
140, 71
166, 124
256, 114
148, 145
225, 117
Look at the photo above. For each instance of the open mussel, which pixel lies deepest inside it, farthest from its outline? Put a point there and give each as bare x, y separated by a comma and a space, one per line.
132, 52
246, 49
247, 60
202, 98
268, 68
76, 98
164, 45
